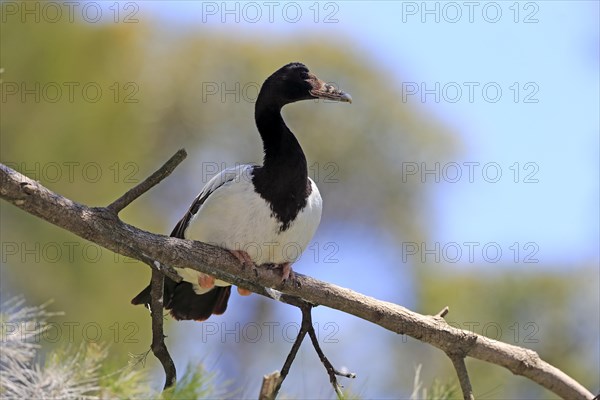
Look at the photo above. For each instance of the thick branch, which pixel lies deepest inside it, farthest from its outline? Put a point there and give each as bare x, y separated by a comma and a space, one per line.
103, 227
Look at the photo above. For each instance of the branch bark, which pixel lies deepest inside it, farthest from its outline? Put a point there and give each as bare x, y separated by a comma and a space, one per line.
159, 348
463, 376
102, 226
272, 383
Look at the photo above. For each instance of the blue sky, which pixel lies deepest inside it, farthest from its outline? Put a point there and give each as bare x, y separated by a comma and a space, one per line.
558, 56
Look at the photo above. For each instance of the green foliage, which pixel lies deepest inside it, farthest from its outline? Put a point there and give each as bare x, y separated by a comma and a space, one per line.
129, 382
76, 373
196, 383
519, 309
437, 391
442, 391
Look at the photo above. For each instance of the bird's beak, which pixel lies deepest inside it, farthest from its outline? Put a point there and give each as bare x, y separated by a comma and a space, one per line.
323, 90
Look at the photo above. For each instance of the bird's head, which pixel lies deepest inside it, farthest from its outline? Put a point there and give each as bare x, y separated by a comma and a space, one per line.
294, 82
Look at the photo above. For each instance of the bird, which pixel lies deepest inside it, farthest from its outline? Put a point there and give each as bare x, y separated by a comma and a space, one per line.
263, 214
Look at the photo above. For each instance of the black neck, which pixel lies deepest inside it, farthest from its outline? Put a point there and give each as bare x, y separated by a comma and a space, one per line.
280, 146
283, 178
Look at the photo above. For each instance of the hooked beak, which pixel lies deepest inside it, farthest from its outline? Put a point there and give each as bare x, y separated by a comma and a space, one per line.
324, 90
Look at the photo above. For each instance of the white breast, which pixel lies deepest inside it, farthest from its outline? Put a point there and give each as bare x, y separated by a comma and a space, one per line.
235, 217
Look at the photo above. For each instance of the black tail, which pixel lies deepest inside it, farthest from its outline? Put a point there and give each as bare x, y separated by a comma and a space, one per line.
184, 303
180, 298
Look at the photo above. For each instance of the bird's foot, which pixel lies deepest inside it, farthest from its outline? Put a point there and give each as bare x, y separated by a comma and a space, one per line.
243, 258
287, 273
206, 281
243, 292
246, 262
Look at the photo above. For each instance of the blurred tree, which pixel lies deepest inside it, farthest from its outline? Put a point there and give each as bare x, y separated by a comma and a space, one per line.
524, 308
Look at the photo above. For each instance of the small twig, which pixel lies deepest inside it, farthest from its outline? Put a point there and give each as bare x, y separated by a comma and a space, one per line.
269, 387
269, 391
331, 371
138, 190
290, 359
443, 312
458, 361
158, 338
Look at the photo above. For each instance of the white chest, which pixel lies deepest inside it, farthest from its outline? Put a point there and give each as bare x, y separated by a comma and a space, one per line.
235, 217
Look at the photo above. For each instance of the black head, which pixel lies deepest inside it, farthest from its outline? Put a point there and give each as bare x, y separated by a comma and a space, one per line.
294, 82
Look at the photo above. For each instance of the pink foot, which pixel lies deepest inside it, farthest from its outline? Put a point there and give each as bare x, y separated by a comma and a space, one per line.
246, 262
206, 281
286, 271
243, 258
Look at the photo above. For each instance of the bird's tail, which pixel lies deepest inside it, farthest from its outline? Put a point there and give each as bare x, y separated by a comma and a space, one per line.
181, 299
184, 303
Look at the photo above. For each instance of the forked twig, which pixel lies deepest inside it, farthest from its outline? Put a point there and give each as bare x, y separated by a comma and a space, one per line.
305, 327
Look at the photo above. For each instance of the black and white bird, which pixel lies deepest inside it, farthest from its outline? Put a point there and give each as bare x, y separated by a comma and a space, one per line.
265, 215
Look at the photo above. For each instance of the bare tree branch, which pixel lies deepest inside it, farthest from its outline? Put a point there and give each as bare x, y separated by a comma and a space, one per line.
457, 356
331, 371
305, 327
159, 348
443, 312
103, 227
463, 376
148, 183
269, 385
156, 266
289, 359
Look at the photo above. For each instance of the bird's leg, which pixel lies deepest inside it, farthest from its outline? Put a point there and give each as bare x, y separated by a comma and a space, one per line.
246, 262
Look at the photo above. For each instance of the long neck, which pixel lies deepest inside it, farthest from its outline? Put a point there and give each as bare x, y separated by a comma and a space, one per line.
283, 179
281, 148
